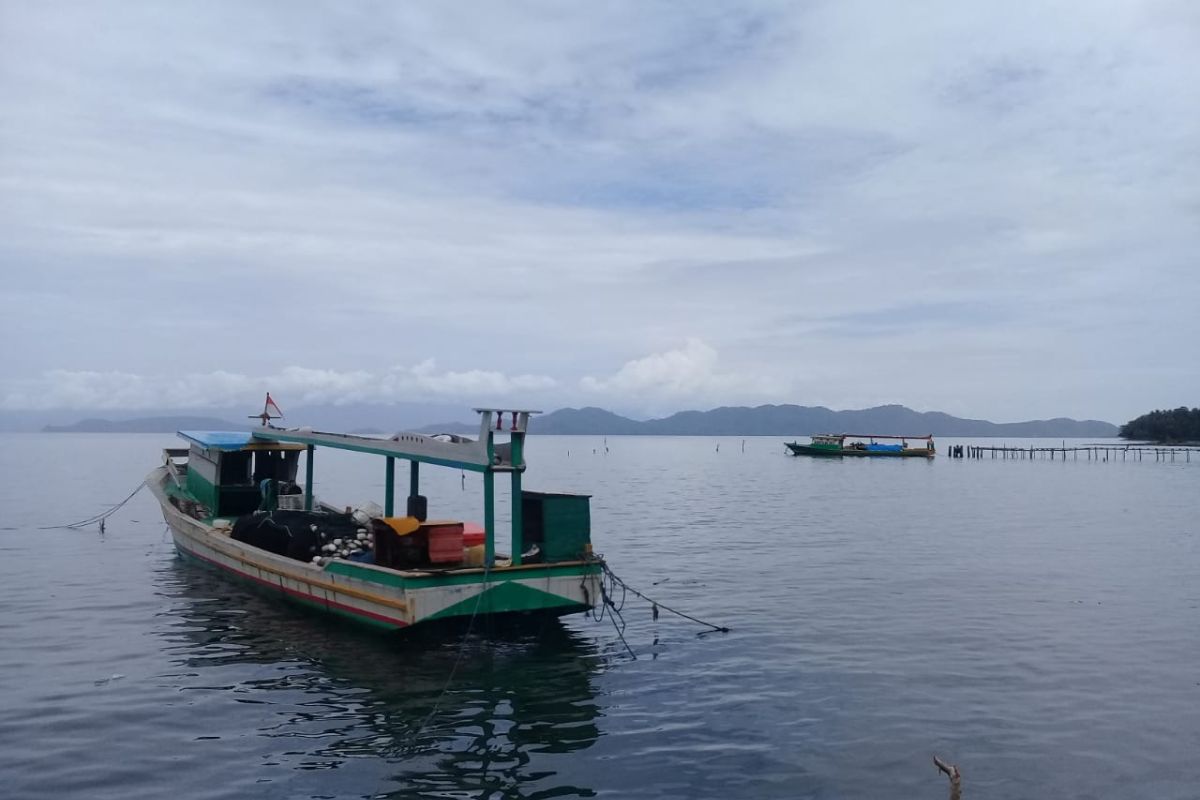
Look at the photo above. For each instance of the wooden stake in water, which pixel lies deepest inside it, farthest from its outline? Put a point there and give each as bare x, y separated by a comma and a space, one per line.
953, 774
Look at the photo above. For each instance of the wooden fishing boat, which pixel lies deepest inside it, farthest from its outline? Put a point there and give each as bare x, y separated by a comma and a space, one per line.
850, 444
232, 501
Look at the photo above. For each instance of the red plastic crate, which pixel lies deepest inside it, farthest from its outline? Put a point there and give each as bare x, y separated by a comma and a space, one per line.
445, 541
473, 535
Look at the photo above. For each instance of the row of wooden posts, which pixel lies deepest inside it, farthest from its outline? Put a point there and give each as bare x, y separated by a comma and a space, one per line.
1090, 452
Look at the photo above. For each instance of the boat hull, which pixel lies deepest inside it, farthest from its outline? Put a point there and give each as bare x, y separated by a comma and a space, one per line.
838, 452
379, 597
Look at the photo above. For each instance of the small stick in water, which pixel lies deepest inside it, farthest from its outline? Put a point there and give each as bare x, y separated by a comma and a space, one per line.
953, 774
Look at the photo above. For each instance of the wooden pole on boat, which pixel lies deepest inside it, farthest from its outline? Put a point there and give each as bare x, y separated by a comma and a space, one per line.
518, 541
489, 496
489, 518
414, 478
389, 488
308, 478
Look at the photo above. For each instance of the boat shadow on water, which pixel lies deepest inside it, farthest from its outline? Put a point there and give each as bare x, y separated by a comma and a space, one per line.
465, 706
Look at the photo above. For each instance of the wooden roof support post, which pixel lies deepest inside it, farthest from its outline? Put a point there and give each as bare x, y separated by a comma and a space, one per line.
518, 543
489, 518
389, 488
489, 490
308, 478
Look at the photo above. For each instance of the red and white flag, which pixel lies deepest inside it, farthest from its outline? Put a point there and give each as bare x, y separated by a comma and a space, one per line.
270, 406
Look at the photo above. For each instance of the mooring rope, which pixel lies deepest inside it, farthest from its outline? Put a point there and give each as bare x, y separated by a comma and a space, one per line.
620, 629
606, 594
608, 607
95, 518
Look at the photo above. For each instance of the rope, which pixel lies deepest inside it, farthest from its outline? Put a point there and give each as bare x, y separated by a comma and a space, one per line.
609, 607
614, 580
621, 634
96, 518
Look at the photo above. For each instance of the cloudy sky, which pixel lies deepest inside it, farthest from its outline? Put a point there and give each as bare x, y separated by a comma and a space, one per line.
991, 209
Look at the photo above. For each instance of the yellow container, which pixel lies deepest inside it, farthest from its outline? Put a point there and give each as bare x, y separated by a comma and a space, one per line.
473, 556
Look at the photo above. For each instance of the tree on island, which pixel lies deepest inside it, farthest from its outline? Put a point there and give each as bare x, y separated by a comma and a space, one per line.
1178, 425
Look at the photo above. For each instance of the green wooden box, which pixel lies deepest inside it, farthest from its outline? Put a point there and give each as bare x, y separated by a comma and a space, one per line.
559, 524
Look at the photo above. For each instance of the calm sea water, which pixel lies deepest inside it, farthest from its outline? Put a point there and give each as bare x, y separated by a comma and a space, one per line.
1037, 623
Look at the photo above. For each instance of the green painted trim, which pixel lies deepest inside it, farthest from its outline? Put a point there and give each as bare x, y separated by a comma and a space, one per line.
503, 598
171, 490
202, 490
489, 517
441, 462
518, 450
494, 576
352, 570
518, 540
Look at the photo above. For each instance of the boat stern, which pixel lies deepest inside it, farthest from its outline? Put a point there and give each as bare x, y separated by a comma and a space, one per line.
551, 589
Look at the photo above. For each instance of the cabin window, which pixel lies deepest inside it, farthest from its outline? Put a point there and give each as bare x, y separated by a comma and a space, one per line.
235, 469
278, 465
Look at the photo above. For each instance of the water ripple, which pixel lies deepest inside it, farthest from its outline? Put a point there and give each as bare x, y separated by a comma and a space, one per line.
1034, 623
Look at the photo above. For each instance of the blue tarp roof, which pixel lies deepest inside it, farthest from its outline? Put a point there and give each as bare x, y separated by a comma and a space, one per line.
218, 440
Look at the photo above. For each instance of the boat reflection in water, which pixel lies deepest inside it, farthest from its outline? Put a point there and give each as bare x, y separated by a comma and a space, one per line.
427, 714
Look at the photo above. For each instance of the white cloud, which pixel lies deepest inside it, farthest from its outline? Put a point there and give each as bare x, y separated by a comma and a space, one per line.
299, 385
344, 187
682, 371
473, 382
689, 374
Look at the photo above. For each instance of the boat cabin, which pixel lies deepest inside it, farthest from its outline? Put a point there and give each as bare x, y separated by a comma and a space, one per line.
828, 440
227, 470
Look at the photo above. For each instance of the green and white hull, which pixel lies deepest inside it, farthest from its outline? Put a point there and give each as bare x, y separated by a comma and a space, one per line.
379, 596
798, 449
837, 445
813, 449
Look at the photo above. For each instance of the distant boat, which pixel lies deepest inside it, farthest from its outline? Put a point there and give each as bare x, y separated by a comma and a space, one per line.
850, 444
233, 503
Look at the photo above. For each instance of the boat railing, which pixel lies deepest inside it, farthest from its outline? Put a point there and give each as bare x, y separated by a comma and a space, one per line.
176, 469
927, 437
478, 455
290, 502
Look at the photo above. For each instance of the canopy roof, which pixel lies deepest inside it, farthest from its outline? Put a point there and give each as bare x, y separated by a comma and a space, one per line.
879, 436
232, 440
465, 454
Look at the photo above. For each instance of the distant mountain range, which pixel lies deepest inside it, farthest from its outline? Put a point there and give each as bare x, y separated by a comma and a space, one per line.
344, 417
791, 420
148, 425
783, 420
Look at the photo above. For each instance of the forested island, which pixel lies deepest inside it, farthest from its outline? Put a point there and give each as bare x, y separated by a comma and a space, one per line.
1165, 427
